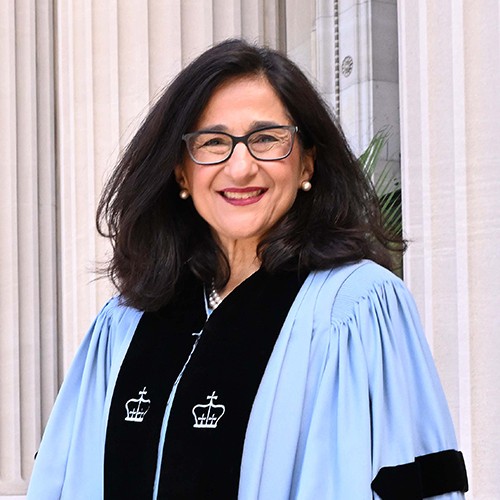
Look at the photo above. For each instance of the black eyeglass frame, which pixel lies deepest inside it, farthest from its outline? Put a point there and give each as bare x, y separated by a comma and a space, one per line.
236, 139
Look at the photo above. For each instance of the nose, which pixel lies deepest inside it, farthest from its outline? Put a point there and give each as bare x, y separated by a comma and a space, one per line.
241, 166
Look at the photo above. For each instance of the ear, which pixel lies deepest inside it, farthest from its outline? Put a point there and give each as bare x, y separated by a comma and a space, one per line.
180, 177
307, 159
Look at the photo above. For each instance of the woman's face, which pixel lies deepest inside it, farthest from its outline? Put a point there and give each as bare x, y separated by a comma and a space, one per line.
242, 198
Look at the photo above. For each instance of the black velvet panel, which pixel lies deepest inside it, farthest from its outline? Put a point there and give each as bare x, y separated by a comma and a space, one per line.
201, 463
430, 475
159, 348
230, 358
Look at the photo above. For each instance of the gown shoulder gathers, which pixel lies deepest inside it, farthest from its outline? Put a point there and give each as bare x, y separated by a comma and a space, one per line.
350, 388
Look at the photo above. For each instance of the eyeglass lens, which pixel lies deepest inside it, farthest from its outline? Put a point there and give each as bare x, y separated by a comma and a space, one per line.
215, 147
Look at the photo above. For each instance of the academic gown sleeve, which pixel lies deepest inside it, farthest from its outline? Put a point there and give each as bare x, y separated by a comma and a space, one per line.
69, 464
351, 387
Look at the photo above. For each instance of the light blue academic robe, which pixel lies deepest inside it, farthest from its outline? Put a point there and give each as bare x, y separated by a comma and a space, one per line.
350, 388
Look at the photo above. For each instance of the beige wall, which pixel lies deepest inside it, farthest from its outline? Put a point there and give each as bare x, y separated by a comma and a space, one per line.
28, 269
77, 77
450, 84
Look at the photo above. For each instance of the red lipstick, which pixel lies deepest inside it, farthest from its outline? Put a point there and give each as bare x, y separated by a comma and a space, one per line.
242, 196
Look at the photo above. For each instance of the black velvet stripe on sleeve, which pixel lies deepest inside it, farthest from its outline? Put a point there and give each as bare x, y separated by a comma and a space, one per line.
208, 421
430, 475
159, 349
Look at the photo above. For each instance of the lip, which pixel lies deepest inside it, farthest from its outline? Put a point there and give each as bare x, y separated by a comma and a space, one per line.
242, 196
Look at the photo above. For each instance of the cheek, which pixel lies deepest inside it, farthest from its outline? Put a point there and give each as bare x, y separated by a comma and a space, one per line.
193, 177
287, 189
199, 184
290, 178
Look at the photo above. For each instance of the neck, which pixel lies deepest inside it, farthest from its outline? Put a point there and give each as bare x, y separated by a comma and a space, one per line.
243, 262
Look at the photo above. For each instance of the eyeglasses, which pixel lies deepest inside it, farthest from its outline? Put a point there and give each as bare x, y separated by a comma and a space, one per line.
208, 147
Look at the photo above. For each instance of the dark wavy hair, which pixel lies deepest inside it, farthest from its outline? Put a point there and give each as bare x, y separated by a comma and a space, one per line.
155, 234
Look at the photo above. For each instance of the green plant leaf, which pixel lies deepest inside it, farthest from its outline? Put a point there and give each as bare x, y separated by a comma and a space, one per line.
388, 193
389, 196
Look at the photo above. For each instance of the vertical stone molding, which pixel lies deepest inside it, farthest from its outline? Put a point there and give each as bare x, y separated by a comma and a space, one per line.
28, 308
368, 84
77, 79
449, 70
327, 51
300, 29
353, 57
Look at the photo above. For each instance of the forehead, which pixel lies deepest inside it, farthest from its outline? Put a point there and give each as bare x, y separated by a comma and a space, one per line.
238, 102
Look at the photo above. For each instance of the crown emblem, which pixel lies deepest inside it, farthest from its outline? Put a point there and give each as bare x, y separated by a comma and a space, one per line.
207, 416
137, 408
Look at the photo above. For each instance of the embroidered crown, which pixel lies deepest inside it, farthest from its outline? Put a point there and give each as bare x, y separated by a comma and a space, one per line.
137, 408
207, 416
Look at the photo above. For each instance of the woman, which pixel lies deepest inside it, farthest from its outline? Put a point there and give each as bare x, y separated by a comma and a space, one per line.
258, 347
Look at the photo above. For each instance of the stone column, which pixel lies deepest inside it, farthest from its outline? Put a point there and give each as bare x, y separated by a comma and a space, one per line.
450, 80
77, 78
28, 269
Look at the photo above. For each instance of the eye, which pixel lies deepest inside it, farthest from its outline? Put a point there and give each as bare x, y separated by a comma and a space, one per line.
211, 141
264, 138
216, 141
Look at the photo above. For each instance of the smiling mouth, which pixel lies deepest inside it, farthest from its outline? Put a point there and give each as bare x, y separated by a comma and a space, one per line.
242, 195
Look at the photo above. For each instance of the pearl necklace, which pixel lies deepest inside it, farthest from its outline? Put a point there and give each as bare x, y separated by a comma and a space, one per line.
214, 299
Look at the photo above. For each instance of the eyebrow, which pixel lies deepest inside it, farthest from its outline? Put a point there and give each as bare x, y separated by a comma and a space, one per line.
255, 125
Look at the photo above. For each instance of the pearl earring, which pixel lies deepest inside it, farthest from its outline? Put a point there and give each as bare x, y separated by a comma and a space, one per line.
306, 186
183, 194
